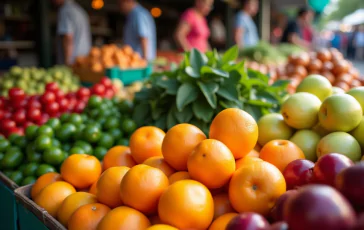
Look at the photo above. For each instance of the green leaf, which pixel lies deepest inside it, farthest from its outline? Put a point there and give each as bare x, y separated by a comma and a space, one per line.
217, 72
281, 83
192, 72
253, 74
202, 110
197, 60
171, 119
260, 103
143, 94
141, 113
209, 89
229, 92
185, 115
186, 94
231, 104
230, 55
161, 122
171, 85
254, 111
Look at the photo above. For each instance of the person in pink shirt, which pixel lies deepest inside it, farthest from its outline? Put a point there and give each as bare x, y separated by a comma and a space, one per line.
193, 30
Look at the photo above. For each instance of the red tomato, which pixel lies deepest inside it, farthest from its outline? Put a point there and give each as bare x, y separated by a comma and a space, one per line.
34, 114
71, 104
34, 104
63, 104
52, 108
109, 93
59, 94
106, 82
79, 107
2, 114
27, 124
83, 92
43, 119
51, 87
19, 116
16, 94
98, 89
7, 125
17, 130
71, 95
48, 97
2, 102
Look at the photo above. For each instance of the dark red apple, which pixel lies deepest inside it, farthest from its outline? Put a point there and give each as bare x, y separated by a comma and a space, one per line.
298, 173
329, 166
359, 223
350, 182
278, 226
248, 221
277, 210
319, 207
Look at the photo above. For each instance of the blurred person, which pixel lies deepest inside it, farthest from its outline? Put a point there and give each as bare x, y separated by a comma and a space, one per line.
218, 32
193, 30
359, 43
139, 30
297, 32
73, 30
351, 43
246, 32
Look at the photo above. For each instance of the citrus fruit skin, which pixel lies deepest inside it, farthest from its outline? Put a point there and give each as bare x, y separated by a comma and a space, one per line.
161, 227
316, 85
161, 164
300, 111
177, 176
43, 181
87, 217
118, 156
222, 205
340, 113
236, 129
339, 142
307, 141
272, 127
222, 221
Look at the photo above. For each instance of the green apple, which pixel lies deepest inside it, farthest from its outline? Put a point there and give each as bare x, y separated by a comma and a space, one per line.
337, 90
358, 133
307, 140
272, 127
316, 85
300, 111
358, 94
340, 112
339, 142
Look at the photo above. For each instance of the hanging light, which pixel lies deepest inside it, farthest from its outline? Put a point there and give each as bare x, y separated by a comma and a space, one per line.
156, 12
97, 4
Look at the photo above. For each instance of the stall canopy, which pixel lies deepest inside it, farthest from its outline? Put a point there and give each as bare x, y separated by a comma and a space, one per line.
355, 18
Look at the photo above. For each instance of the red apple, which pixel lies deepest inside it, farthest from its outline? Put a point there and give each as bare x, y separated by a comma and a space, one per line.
298, 173
106, 82
318, 207
48, 97
278, 226
360, 222
16, 95
20, 116
248, 221
350, 182
52, 87
277, 210
327, 167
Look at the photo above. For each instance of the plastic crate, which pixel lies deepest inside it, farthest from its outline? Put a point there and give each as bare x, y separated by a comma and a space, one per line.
8, 209
128, 76
31, 216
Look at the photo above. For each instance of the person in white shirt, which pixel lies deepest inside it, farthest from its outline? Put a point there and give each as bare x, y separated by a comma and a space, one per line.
218, 32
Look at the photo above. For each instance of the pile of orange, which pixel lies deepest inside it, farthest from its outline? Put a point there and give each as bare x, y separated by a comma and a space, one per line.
109, 56
174, 180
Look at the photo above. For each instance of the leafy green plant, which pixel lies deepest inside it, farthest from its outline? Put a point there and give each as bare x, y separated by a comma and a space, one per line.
202, 86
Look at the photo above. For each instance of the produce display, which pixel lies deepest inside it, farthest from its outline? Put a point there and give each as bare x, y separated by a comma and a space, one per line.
33, 81
109, 56
103, 124
126, 92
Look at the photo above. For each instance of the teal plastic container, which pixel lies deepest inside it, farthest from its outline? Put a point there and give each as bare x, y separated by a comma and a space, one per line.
130, 75
8, 209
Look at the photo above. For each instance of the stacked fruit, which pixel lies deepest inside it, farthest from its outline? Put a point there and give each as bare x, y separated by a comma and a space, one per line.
328, 63
33, 80
103, 124
20, 111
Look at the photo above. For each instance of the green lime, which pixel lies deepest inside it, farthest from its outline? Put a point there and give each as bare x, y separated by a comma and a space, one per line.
43, 142
94, 113
106, 140
28, 180
64, 117
2, 137
84, 117
7, 172
1, 156
125, 106
13, 157
29, 169
77, 150
84, 145
66, 132
100, 152
53, 156
54, 123
21, 142
66, 147
116, 133
4, 144
13, 137
111, 123
79, 132
43, 169
124, 142
32, 154
45, 130
16, 176
75, 119
100, 121
22, 167
92, 133
31, 132
128, 126
56, 143
94, 101
66, 154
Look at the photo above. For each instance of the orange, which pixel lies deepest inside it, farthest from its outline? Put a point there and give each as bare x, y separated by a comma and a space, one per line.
178, 176
161, 227
43, 181
211, 163
52, 196
160, 163
142, 187
221, 222
178, 144
255, 187
81, 170
280, 153
124, 218
108, 186
87, 217
237, 129
253, 153
146, 142
155, 220
118, 156
93, 188
72, 203
222, 205
186, 204
246, 160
